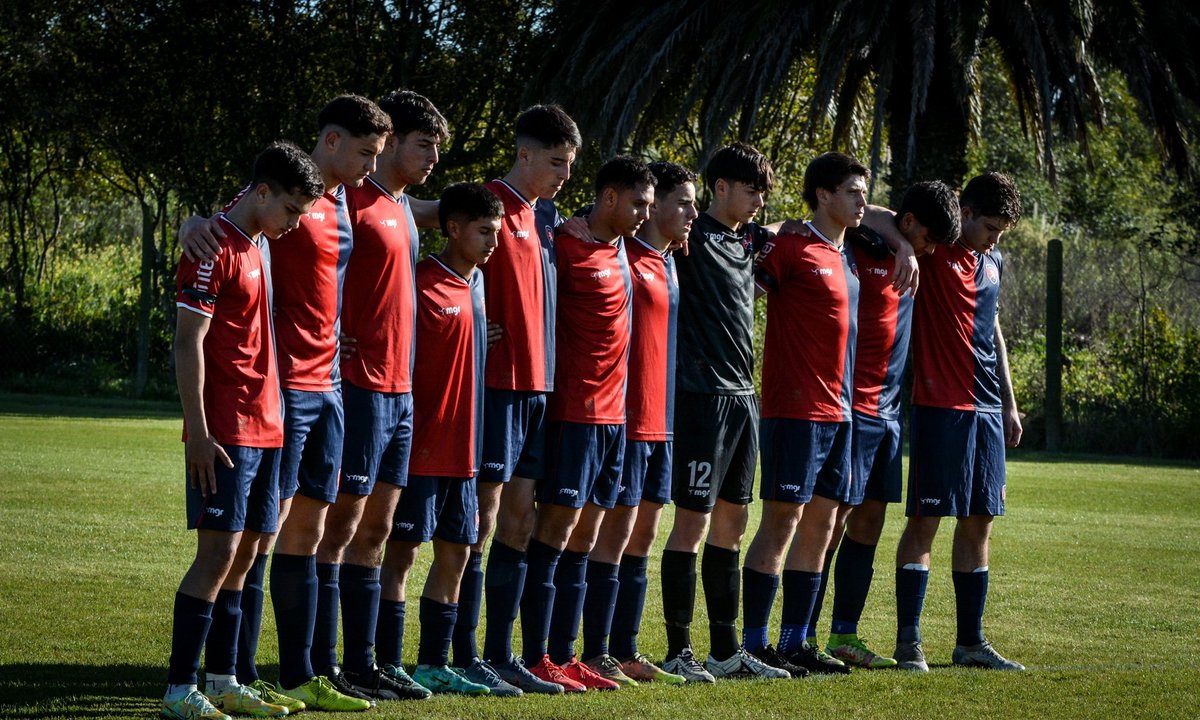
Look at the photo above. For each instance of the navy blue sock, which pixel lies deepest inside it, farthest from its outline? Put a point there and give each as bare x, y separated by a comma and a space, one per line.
220, 647
570, 587
360, 600
970, 597
758, 594
325, 629
192, 618
818, 602
800, 590
503, 584
721, 575
389, 632
294, 597
470, 601
910, 598
679, 598
627, 611
252, 611
600, 599
537, 604
437, 625
852, 581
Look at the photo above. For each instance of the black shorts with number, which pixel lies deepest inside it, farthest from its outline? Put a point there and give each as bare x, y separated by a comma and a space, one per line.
716, 450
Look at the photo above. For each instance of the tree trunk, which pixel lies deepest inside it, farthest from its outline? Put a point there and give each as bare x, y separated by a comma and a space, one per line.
145, 296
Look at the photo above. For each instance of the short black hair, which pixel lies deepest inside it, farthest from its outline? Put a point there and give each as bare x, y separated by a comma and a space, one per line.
467, 202
742, 163
549, 126
934, 205
669, 176
827, 171
358, 115
992, 194
623, 172
286, 168
413, 112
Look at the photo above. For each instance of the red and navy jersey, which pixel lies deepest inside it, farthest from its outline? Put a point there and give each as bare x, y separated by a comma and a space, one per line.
650, 398
448, 379
242, 402
309, 271
594, 308
379, 302
954, 327
884, 325
812, 320
521, 297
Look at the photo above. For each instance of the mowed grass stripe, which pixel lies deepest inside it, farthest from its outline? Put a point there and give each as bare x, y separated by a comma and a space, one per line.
1094, 586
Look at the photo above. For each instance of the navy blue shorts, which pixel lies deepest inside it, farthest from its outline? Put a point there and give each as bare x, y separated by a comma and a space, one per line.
876, 460
378, 439
647, 473
514, 435
802, 458
583, 464
312, 444
716, 450
957, 463
247, 496
445, 507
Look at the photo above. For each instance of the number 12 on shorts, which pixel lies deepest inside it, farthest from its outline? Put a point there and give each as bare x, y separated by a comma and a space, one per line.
699, 477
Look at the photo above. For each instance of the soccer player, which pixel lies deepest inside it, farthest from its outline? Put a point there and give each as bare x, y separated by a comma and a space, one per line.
308, 297
440, 501
928, 217
616, 566
585, 439
716, 414
812, 286
233, 428
520, 288
964, 414
378, 315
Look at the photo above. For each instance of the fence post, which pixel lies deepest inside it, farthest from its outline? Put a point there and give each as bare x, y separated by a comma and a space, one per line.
1053, 408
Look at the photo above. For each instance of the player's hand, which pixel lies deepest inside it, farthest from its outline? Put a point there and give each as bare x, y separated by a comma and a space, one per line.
200, 238
494, 331
578, 227
348, 346
202, 454
905, 271
678, 245
1012, 428
791, 227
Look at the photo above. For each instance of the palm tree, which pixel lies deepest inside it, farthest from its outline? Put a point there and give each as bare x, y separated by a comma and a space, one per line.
726, 63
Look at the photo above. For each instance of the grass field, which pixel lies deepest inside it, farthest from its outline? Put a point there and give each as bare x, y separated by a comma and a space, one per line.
1095, 587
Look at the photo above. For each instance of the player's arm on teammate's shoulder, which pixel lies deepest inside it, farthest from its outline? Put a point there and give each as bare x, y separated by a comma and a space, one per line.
577, 227
202, 450
883, 221
200, 238
1008, 401
425, 213
784, 227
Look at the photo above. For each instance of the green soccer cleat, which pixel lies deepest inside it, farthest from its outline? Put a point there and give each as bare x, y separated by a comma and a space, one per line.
607, 667
850, 649
319, 694
271, 694
193, 706
443, 680
643, 669
243, 700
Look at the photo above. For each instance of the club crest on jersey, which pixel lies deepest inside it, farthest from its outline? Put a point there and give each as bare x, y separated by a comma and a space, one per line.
319, 216
992, 276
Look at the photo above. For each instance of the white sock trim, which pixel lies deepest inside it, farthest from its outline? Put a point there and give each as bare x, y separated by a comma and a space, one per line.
916, 566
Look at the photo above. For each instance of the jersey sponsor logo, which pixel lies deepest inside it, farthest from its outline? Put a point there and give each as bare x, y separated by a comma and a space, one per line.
714, 236
601, 274
356, 479
931, 501
204, 271
254, 274
318, 216
646, 276
390, 223
407, 526
215, 512
953, 265
493, 466
521, 234
881, 272
791, 488
569, 492
450, 310
823, 272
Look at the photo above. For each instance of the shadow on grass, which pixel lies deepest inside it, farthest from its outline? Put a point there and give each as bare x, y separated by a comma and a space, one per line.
86, 407
33, 692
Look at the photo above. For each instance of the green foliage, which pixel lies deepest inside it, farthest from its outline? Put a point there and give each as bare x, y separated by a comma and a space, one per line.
91, 501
